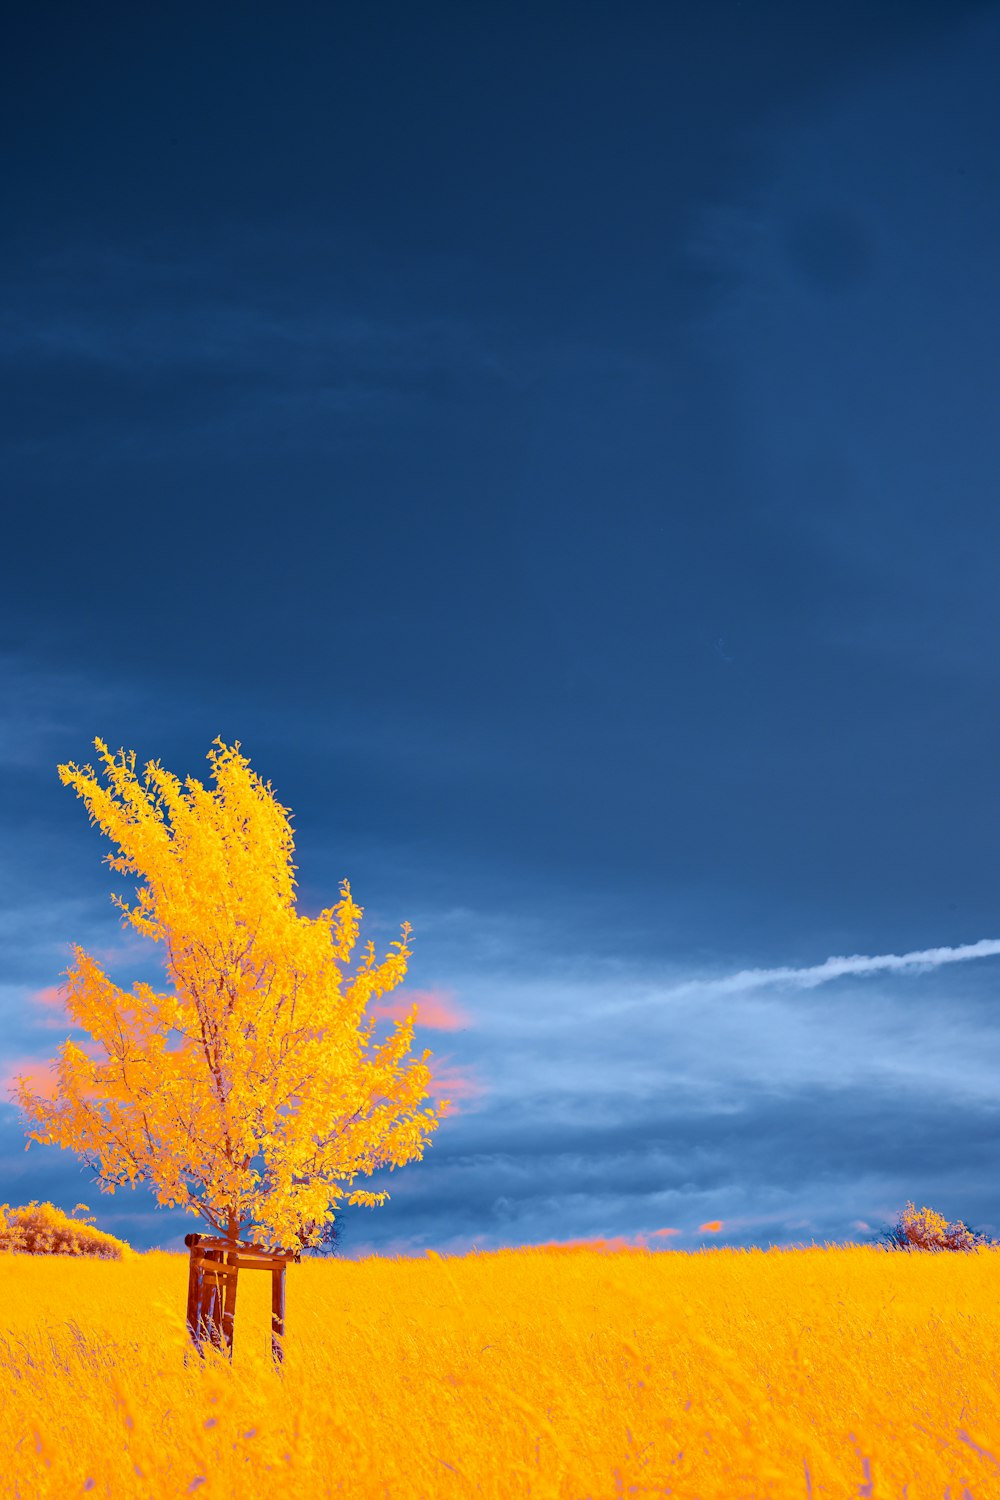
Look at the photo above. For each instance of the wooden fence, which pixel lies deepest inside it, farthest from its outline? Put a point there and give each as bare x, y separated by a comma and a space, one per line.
213, 1274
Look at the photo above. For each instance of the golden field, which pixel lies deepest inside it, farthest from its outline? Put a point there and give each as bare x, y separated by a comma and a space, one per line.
547, 1372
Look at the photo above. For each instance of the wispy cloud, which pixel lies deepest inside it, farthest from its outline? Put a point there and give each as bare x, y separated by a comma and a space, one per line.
44, 710
219, 346
920, 961
454, 1082
46, 1010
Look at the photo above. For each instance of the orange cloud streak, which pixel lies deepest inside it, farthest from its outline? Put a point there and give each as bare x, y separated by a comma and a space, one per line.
38, 1075
51, 1001
611, 1244
712, 1227
50, 995
452, 1082
436, 1009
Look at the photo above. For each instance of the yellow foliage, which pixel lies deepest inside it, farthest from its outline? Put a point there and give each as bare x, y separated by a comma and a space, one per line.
720, 1375
251, 1091
43, 1229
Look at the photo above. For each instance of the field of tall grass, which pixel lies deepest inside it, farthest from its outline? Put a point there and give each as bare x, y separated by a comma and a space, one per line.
722, 1375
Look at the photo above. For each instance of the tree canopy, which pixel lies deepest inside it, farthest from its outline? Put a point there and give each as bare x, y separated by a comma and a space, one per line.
253, 1090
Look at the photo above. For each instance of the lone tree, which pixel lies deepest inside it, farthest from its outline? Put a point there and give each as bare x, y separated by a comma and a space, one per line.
251, 1092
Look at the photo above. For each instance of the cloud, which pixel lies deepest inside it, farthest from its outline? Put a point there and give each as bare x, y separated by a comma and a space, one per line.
152, 322
129, 947
170, 351
44, 709
839, 968
453, 1082
50, 995
826, 1163
601, 1246
619, 1102
436, 1009
40, 1076
608, 1104
50, 1009
41, 1073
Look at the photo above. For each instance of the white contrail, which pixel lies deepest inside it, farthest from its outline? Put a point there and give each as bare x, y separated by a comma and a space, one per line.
836, 968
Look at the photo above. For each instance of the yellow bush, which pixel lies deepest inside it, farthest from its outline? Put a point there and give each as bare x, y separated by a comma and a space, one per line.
43, 1229
925, 1229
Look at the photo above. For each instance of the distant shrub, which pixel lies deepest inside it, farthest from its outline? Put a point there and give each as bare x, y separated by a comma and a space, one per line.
43, 1229
923, 1229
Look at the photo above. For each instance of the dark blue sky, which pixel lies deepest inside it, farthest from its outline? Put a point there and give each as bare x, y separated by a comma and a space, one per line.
560, 443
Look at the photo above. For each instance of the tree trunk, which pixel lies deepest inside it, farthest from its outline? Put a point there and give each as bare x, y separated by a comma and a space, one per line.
229, 1295
278, 1315
229, 1304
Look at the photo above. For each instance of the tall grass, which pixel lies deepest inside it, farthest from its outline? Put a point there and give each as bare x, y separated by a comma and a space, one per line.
722, 1375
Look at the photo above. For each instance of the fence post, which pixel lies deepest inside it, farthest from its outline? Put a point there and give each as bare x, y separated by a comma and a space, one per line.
211, 1313
278, 1315
194, 1292
211, 1294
